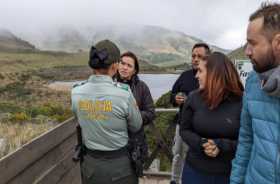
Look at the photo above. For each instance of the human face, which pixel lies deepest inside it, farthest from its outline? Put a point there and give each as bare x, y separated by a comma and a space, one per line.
258, 47
127, 67
201, 75
198, 54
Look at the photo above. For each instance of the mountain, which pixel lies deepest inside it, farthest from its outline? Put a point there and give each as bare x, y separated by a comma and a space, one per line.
156, 45
9, 42
238, 54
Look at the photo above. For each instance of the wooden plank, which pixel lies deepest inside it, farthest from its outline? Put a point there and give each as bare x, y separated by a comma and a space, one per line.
40, 169
166, 110
16, 162
60, 171
72, 177
158, 174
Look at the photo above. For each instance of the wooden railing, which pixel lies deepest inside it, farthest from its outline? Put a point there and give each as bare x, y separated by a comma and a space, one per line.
48, 159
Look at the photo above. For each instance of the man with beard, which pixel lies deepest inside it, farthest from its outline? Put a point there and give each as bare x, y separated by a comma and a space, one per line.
257, 160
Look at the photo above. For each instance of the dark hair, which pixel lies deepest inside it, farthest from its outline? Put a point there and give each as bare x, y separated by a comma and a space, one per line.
97, 59
103, 54
204, 45
270, 12
222, 80
133, 56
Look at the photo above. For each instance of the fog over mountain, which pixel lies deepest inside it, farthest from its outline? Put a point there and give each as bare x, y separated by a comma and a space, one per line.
219, 22
157, 45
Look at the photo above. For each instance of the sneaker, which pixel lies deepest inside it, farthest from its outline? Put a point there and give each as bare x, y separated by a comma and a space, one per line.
172, 182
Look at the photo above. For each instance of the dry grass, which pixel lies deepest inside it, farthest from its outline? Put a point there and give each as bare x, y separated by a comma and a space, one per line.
30, 107
18, 62
17, 134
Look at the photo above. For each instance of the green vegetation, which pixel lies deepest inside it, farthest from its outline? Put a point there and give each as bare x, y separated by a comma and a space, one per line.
28, 107
238, 54
26, 101
165, 59
162, 122
27, 61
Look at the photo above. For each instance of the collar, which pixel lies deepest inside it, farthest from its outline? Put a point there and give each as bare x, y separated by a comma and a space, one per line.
194, 71
134, 79
270, 81
100, 79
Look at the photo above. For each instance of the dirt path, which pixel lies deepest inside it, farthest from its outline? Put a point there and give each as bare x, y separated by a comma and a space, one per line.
61, 86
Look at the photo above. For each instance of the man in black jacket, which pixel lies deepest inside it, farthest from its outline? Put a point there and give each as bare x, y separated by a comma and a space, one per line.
182, 87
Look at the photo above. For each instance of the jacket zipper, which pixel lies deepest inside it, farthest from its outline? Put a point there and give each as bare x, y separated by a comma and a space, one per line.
277, 172
277, 166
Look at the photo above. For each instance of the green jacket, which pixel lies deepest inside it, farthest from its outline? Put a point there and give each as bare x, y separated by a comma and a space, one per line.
105, 111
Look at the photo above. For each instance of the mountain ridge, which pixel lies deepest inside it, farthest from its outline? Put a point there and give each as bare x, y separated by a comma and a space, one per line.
157, 45
10, 42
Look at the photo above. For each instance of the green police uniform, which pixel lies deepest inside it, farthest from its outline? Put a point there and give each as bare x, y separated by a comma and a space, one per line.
105, 111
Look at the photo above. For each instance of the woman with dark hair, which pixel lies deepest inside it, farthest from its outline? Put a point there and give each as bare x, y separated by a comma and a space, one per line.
210, 122
127, 73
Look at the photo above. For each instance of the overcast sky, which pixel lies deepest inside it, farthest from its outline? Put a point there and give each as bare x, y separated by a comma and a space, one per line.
219, 22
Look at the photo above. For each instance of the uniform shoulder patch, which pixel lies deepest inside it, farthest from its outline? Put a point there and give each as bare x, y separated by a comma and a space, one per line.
79, 84
121, 85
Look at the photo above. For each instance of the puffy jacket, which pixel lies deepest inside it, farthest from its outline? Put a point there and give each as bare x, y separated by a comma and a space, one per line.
257, 160
143, 97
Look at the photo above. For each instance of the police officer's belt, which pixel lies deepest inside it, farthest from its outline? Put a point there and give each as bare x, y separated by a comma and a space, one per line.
105, 154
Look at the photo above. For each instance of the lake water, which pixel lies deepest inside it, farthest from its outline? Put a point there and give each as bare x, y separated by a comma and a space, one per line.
158, 83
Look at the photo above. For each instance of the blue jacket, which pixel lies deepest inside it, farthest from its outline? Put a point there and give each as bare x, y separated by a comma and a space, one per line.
257, 160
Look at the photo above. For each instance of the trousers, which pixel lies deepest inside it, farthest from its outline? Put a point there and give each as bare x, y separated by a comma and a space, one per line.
179, 150
107, 170
193, 176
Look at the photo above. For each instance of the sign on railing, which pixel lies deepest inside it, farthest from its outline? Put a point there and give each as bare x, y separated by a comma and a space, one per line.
244, 67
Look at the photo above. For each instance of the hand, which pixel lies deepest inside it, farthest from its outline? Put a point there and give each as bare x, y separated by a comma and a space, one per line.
210, 148
179, 99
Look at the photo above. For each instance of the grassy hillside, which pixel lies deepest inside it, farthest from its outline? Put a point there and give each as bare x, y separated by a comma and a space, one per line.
23, 61
238, 54
13, 62
9, 42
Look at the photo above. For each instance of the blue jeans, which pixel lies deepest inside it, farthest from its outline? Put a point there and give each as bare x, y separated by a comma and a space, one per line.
192, 176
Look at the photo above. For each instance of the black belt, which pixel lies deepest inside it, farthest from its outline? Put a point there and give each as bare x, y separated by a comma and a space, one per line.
107, 154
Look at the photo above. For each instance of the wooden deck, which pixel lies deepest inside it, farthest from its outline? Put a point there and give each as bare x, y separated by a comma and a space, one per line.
155, 178
48, 160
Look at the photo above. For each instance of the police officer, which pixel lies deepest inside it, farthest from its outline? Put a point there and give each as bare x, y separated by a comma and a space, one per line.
106, 111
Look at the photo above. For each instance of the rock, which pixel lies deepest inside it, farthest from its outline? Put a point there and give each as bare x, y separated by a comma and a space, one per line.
5, 116
155, 166
3, 144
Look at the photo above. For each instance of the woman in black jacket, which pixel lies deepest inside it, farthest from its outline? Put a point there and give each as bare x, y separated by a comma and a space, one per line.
210, 122
127, 73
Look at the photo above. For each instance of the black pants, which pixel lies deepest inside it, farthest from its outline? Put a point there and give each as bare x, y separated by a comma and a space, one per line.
191, 175
107, 170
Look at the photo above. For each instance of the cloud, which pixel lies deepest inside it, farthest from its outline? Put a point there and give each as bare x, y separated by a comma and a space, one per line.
217, 22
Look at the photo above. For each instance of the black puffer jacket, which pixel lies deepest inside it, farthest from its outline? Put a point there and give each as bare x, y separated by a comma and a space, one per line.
146, 106
143, 97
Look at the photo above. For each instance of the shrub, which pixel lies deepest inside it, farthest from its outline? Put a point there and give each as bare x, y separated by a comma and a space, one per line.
9, 107
20, 116
164, 101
